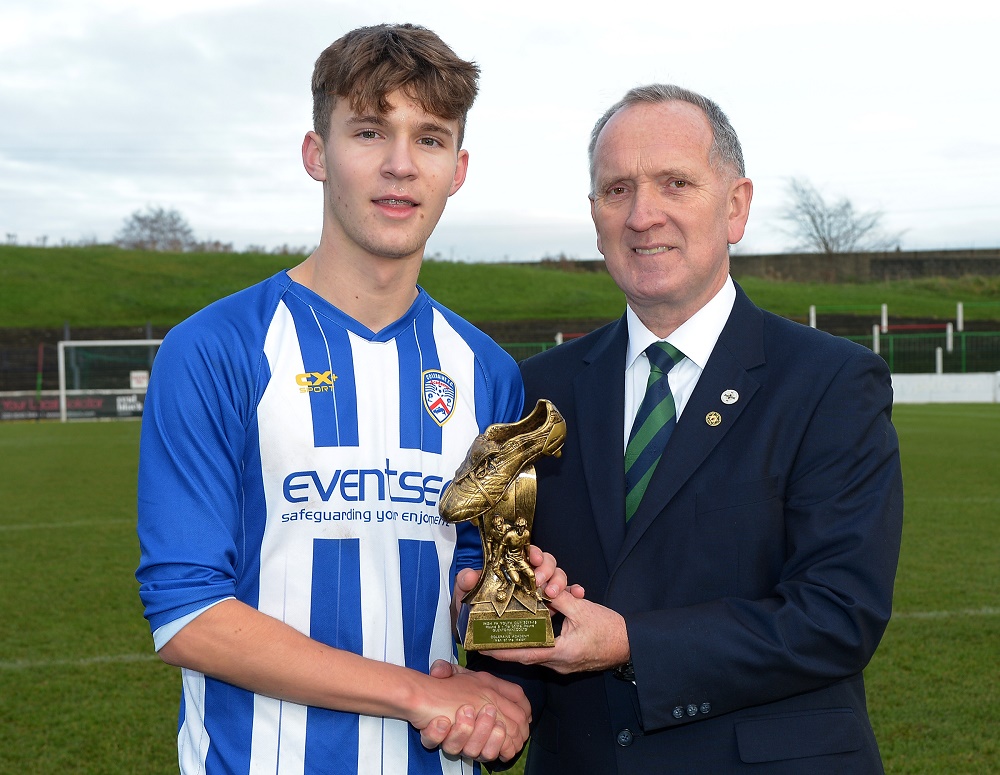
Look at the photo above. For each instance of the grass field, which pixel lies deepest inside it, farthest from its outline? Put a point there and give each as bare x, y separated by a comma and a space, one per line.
81, 693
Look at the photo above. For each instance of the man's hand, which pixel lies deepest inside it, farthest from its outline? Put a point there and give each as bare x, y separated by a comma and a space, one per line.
549, 578
496, 727
593, 638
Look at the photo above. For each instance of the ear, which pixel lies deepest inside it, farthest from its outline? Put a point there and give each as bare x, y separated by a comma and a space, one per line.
740, 194
313, 157
461, 170
593, 216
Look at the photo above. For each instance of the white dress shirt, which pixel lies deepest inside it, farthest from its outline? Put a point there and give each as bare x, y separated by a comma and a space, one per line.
696, 338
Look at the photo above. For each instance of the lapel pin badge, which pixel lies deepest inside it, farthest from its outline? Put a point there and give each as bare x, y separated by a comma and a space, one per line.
730, 397
713, 418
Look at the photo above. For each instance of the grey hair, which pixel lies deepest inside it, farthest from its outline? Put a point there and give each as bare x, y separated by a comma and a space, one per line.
725, 144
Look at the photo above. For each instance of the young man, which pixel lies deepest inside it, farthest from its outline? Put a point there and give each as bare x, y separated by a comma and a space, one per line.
297, 436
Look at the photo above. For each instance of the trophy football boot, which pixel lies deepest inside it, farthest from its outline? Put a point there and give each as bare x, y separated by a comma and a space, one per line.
495, 459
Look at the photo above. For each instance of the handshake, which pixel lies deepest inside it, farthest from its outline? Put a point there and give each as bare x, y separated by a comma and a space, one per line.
475, 714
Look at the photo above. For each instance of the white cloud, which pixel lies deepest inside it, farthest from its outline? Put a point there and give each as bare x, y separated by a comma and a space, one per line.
201, 105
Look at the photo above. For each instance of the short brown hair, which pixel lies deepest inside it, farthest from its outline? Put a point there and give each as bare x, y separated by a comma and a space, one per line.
369, 63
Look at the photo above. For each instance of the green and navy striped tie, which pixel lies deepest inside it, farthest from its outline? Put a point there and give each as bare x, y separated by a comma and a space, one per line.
653, 425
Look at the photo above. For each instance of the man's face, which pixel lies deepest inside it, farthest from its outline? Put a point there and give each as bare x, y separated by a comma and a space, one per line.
387, 176
665, 215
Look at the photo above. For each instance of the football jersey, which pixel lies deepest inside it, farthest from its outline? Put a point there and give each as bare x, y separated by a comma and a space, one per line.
294, 460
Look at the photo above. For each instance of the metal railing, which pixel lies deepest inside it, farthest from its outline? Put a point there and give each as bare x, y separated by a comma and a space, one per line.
30, 369
944, 352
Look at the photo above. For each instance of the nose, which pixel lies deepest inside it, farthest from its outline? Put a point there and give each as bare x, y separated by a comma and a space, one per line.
646, 210
399, 162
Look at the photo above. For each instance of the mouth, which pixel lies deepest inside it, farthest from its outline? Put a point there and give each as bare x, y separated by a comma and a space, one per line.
393, 202
651, 251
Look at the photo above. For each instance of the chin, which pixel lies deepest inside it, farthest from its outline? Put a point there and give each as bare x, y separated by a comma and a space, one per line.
395, 250
403, 246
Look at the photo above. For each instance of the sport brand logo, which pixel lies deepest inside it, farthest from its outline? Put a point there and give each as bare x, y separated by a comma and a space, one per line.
315, 381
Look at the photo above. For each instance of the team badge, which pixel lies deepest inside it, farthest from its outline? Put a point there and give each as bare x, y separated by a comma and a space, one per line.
439, 395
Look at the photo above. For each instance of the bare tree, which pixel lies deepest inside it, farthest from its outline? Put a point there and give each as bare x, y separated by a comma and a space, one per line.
155, 229
832, 227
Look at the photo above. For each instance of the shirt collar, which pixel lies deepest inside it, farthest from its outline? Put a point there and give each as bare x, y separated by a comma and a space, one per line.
695, 337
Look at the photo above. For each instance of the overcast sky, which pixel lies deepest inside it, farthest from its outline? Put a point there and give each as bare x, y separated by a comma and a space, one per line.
109, 106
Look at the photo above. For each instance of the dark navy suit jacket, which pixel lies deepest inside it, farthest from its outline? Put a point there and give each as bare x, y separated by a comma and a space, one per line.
756, 577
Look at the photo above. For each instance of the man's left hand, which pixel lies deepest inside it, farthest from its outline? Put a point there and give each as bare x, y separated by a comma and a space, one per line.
593, 638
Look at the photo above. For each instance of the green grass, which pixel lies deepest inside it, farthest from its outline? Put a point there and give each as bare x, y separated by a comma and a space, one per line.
80, 692
79, 689
104, 286
933, 684
932, 297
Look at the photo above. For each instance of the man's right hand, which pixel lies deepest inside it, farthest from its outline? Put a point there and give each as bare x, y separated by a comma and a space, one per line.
485, 717
490, 723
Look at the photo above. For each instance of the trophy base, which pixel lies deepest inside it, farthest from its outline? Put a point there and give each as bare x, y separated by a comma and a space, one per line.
486, 631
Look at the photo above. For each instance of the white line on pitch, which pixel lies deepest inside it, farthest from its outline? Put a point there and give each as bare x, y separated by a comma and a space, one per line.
61, 525
30, 664
985, 611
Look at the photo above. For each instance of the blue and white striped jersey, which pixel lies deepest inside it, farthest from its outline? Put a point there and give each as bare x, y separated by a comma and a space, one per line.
293, 459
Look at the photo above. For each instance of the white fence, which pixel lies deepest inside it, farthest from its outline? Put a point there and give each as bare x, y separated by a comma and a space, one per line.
981, 388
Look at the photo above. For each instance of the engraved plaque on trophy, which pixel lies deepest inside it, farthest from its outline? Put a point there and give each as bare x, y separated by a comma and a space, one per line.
495, 488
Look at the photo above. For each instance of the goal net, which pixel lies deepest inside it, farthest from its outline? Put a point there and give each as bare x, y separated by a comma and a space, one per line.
104, 378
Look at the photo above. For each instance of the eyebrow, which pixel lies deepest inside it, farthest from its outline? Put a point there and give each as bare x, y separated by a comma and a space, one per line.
379, 120
430, 126
372, 118
667, 172
603, 184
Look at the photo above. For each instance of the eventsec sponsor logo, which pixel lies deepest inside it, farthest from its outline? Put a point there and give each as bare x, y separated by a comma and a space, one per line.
354, 484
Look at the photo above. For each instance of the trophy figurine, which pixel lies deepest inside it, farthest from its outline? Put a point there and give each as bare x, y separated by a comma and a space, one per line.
495, 488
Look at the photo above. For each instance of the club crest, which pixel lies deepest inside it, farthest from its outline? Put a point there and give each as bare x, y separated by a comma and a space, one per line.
439, 395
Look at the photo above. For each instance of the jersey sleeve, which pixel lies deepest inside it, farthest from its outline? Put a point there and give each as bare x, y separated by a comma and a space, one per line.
498, 381
192, 451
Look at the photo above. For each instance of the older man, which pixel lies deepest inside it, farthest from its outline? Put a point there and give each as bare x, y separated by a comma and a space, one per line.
739, 556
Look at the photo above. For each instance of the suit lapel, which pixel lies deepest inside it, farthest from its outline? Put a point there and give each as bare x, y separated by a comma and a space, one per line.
740, 347
600, 400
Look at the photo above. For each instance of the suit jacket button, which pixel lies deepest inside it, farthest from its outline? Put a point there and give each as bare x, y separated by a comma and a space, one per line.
706, 707
678, 712
692, 710
624, 738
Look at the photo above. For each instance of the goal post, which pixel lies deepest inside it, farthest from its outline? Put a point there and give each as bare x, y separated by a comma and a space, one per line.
104, 378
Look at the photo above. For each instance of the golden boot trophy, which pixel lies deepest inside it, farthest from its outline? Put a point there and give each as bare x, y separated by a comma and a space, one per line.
495, 488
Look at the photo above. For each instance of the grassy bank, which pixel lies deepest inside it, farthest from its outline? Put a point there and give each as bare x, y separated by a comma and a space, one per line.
104, 286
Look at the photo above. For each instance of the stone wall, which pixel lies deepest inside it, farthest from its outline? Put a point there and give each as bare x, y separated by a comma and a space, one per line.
869, 267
